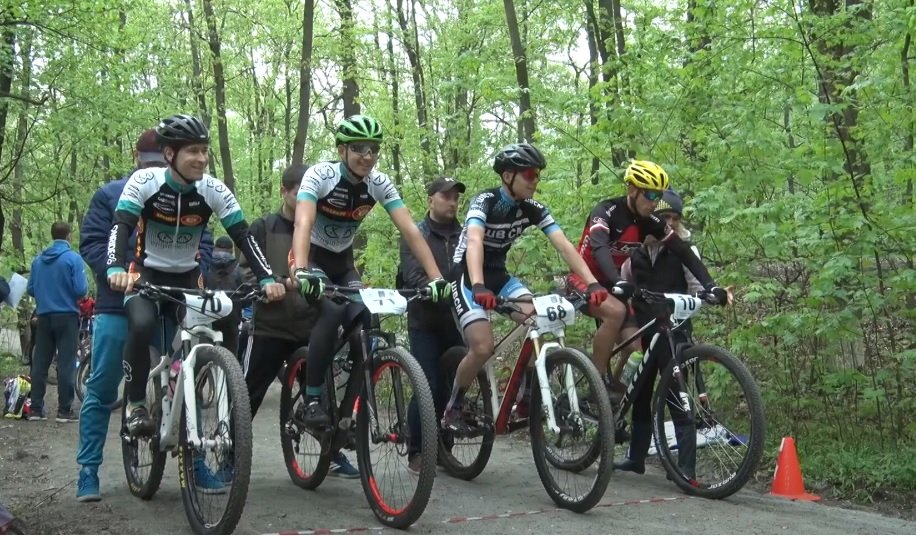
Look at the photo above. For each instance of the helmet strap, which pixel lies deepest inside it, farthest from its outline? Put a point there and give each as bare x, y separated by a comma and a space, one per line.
173, 167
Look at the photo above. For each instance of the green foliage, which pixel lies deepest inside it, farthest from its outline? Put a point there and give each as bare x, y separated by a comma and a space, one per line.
788, 132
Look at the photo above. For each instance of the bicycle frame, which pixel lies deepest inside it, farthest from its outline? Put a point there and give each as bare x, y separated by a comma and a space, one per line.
185, 395
533, 346
665, 330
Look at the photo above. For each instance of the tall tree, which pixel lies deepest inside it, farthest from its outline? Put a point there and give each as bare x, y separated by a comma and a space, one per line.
411, 43
7, 55
350, 94
305, 81
219, 81
526, 112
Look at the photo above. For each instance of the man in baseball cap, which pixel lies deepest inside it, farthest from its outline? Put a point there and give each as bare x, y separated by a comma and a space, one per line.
147, 153
430, 326
443, 185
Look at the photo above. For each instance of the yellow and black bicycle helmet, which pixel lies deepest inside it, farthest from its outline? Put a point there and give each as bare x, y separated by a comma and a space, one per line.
646, 175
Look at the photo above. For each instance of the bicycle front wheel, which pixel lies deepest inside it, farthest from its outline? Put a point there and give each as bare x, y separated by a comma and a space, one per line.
144, 463
214, 476
396, 494
712, 449
559, 453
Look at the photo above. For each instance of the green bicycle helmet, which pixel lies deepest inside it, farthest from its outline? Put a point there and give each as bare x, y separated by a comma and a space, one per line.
358, 128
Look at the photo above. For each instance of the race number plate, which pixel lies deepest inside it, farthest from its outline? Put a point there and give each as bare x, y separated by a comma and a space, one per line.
200, 311
553, 312
685, 305
383, 301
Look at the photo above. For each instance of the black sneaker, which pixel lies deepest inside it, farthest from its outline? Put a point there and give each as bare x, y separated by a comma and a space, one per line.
139, 423
316, 416
67, 416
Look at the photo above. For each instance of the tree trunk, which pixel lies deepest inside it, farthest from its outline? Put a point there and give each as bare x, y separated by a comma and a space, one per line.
412, 48
526, 112
910, 132
392, 74
593, 55
7, 52
198, 75
305, 81
835, 77
22, 132
219, 81
348, 61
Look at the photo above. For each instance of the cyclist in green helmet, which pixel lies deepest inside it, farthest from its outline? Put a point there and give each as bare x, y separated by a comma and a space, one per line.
333, 199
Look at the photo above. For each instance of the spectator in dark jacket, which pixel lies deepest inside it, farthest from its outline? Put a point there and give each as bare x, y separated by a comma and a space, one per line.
110, 327
431, 326
225, 273
57, 280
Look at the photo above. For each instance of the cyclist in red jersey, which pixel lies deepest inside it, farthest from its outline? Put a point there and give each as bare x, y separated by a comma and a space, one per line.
614, 228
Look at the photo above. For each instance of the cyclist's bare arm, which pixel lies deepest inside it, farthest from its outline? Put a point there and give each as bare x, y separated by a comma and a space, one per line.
306, 212
475, 253
402, 220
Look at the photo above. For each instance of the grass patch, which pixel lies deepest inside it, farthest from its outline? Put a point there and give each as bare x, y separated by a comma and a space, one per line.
11, 366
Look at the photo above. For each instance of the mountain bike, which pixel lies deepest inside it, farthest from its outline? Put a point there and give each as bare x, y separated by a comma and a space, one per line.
380, 379
198, 398
572, 449
708, 417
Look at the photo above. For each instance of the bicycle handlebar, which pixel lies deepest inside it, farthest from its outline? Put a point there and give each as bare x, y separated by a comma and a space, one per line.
244, 293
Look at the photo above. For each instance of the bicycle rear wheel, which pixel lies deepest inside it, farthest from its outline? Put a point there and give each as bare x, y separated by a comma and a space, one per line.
214, 477
306, 459
144, 463
466, 457
713, 450
576, 488
397, 496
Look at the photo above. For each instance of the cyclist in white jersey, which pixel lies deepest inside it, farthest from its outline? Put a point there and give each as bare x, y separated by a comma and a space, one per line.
333, 199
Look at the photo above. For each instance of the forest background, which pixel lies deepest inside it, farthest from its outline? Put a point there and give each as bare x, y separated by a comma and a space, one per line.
787, 126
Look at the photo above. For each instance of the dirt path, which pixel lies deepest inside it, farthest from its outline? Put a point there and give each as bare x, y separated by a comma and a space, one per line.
38, 481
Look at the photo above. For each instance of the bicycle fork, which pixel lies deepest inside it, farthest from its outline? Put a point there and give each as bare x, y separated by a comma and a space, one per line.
540, 365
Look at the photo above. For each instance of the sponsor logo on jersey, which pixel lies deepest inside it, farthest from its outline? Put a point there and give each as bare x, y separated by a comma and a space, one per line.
337, 201
194, 204
143, 177
164, 207
191, 220
360, 212
506, 234
167, 218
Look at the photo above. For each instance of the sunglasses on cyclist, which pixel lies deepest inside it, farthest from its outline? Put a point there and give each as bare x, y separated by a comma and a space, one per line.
530, 174
652, 195
365, 148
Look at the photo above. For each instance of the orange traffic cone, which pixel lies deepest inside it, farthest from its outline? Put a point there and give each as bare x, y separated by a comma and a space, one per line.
787, 482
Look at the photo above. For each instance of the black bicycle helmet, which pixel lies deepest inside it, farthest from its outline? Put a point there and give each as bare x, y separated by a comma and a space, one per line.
179, 130
518, 156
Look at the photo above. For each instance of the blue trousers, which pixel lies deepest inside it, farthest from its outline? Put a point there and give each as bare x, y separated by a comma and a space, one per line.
108, 337
55, 332
427, 347
109, 334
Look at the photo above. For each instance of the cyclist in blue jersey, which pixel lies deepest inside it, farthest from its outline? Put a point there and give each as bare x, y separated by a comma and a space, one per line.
170, 207
333, 199
496, 218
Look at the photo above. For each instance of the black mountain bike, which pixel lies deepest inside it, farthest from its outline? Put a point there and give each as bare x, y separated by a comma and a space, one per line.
383, 377
708, 417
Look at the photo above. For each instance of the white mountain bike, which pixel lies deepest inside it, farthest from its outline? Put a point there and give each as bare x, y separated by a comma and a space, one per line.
198, 399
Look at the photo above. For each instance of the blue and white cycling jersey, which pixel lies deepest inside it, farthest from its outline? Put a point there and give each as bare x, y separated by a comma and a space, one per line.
342, 203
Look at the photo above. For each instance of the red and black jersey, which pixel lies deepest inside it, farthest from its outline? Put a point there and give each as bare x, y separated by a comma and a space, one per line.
612, 232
